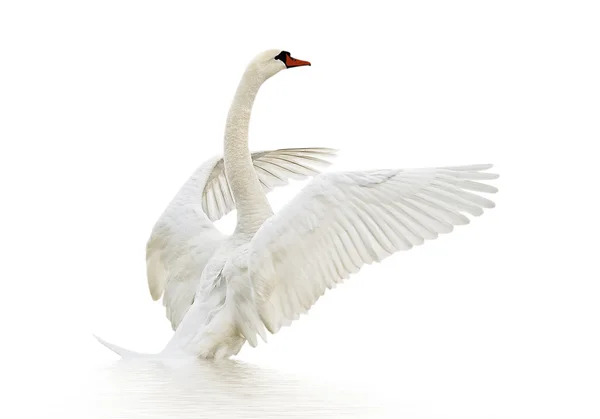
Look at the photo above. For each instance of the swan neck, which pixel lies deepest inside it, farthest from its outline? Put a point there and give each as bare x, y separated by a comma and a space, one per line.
251, 202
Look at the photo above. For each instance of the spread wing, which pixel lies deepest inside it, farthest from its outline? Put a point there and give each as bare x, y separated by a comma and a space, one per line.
341, 221
274, 168
184, 238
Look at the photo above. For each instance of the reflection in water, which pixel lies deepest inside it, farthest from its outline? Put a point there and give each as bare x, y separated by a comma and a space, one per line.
202, 389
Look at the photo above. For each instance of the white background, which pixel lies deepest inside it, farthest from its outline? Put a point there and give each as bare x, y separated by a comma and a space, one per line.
107, 107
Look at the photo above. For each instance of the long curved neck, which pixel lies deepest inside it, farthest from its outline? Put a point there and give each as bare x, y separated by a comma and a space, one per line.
251, 202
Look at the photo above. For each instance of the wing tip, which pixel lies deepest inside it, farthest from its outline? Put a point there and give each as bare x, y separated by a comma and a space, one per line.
155, 294
471, 167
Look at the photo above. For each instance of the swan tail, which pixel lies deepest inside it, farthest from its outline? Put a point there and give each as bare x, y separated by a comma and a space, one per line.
122, 352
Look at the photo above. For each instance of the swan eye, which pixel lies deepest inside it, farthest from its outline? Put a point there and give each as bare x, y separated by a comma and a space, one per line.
281, 56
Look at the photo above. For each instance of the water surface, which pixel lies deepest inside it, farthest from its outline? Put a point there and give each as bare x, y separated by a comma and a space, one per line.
197, 389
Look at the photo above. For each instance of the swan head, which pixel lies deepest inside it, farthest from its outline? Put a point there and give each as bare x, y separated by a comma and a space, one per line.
268, 63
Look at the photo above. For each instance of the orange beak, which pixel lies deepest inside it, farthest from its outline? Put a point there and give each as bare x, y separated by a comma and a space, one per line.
292, 62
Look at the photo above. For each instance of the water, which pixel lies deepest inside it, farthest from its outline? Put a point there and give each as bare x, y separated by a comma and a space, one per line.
197, 389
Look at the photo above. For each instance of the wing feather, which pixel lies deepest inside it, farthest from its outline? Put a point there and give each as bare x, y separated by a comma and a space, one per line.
343, 221
184, 238
274, 168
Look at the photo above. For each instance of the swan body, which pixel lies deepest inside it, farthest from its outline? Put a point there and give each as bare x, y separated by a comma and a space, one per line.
184, 238
221, 291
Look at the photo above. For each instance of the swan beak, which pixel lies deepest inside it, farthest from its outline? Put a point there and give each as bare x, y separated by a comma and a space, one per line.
292, 62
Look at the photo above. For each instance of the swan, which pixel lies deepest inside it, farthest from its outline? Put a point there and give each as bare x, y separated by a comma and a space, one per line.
222, 291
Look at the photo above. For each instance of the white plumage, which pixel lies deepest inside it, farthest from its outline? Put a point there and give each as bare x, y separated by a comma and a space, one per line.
220, 291
184, 237
342, 221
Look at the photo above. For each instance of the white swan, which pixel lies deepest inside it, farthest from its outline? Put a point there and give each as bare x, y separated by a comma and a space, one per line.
274, 267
